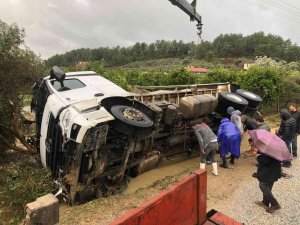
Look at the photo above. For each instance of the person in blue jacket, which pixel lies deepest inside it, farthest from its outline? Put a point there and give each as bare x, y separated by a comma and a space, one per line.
230, 138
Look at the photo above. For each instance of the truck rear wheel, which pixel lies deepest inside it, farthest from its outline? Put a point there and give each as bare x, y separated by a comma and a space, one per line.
227, 99
130, 120
253, 99
250, 111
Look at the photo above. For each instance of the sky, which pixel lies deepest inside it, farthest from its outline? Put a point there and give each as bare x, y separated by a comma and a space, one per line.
57, 26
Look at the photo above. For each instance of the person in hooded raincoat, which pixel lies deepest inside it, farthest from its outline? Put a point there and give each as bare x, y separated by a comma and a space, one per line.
230, 138
235, 117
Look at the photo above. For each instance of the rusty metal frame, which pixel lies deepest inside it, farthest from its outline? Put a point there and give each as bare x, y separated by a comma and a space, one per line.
174, 93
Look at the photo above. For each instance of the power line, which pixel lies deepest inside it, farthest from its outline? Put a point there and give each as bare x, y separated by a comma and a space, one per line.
277, 10
290, 5
282, 8
267, 9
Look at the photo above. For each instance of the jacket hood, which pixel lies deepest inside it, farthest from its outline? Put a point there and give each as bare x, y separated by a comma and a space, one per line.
237, 112
230, 109
284, 114
224, 120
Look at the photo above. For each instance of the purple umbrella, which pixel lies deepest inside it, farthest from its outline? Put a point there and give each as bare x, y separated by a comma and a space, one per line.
270, 144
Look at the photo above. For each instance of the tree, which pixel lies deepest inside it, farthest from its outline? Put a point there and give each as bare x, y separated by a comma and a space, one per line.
229, 45
19, 68
268, 80
204, 50
220, 74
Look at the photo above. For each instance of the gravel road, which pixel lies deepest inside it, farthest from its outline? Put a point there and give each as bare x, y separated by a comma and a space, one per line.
233, 193
242, 208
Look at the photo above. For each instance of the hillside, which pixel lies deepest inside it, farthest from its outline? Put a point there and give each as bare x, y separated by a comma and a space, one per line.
223, 46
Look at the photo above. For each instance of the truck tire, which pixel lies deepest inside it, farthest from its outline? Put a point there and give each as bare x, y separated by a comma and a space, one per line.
253, 99
130, 120
234, 87
250, 111
227, 99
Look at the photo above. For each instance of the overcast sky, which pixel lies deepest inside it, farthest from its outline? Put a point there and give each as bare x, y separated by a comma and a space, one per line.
56, 26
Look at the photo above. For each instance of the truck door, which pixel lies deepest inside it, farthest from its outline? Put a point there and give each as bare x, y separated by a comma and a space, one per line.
39, 99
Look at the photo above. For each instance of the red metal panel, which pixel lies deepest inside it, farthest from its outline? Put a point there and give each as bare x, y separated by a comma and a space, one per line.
202, 194
176, 206
221, 219
208, 223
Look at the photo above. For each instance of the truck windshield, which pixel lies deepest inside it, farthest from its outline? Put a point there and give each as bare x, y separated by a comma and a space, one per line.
69, 84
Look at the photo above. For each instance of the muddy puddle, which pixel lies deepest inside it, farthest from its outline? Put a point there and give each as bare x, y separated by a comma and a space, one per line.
169, 168
148, 178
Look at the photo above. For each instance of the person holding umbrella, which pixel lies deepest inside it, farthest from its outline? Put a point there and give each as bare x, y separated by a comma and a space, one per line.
248, 123
268, 171
272, 151
260, 123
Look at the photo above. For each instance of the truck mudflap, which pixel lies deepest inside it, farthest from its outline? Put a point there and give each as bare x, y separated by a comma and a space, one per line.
183, 204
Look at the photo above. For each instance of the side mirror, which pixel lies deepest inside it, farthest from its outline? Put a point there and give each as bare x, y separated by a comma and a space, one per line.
57, 74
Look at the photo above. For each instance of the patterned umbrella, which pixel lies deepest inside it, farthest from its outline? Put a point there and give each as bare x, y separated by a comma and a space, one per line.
270, 144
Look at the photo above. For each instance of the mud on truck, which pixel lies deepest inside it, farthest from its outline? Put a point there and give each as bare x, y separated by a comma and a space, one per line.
92, 134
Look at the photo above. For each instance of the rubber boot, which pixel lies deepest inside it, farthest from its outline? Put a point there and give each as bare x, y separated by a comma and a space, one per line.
232, 159
224, 164
202, 166
215, 169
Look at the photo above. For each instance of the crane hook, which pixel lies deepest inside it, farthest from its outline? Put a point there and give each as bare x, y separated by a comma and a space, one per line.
199, 28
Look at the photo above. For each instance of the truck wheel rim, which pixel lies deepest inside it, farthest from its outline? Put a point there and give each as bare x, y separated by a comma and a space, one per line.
132, 114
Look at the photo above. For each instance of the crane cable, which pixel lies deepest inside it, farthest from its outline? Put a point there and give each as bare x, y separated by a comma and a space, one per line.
199, 40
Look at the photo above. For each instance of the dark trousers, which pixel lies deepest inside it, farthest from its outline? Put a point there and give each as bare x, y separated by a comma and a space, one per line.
294, 146
266, 189
210, 152
289, 146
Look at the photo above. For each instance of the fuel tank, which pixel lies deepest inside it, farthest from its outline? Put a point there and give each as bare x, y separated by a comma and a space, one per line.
197, 105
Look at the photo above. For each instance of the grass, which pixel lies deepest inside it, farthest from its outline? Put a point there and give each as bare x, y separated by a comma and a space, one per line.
27, 100
20, 184
273, 121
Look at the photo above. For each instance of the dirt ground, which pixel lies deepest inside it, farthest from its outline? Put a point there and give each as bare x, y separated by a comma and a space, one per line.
140, 189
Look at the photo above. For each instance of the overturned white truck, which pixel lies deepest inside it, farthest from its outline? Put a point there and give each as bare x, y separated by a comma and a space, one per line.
93, 134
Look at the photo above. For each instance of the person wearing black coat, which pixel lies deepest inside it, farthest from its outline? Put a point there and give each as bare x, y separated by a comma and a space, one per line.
296, 115
268, 172
287, 131
248, 123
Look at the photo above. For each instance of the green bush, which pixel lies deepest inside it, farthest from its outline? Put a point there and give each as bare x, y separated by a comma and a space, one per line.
291, 85
128, 79
181, 77
267, 80
220, 74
